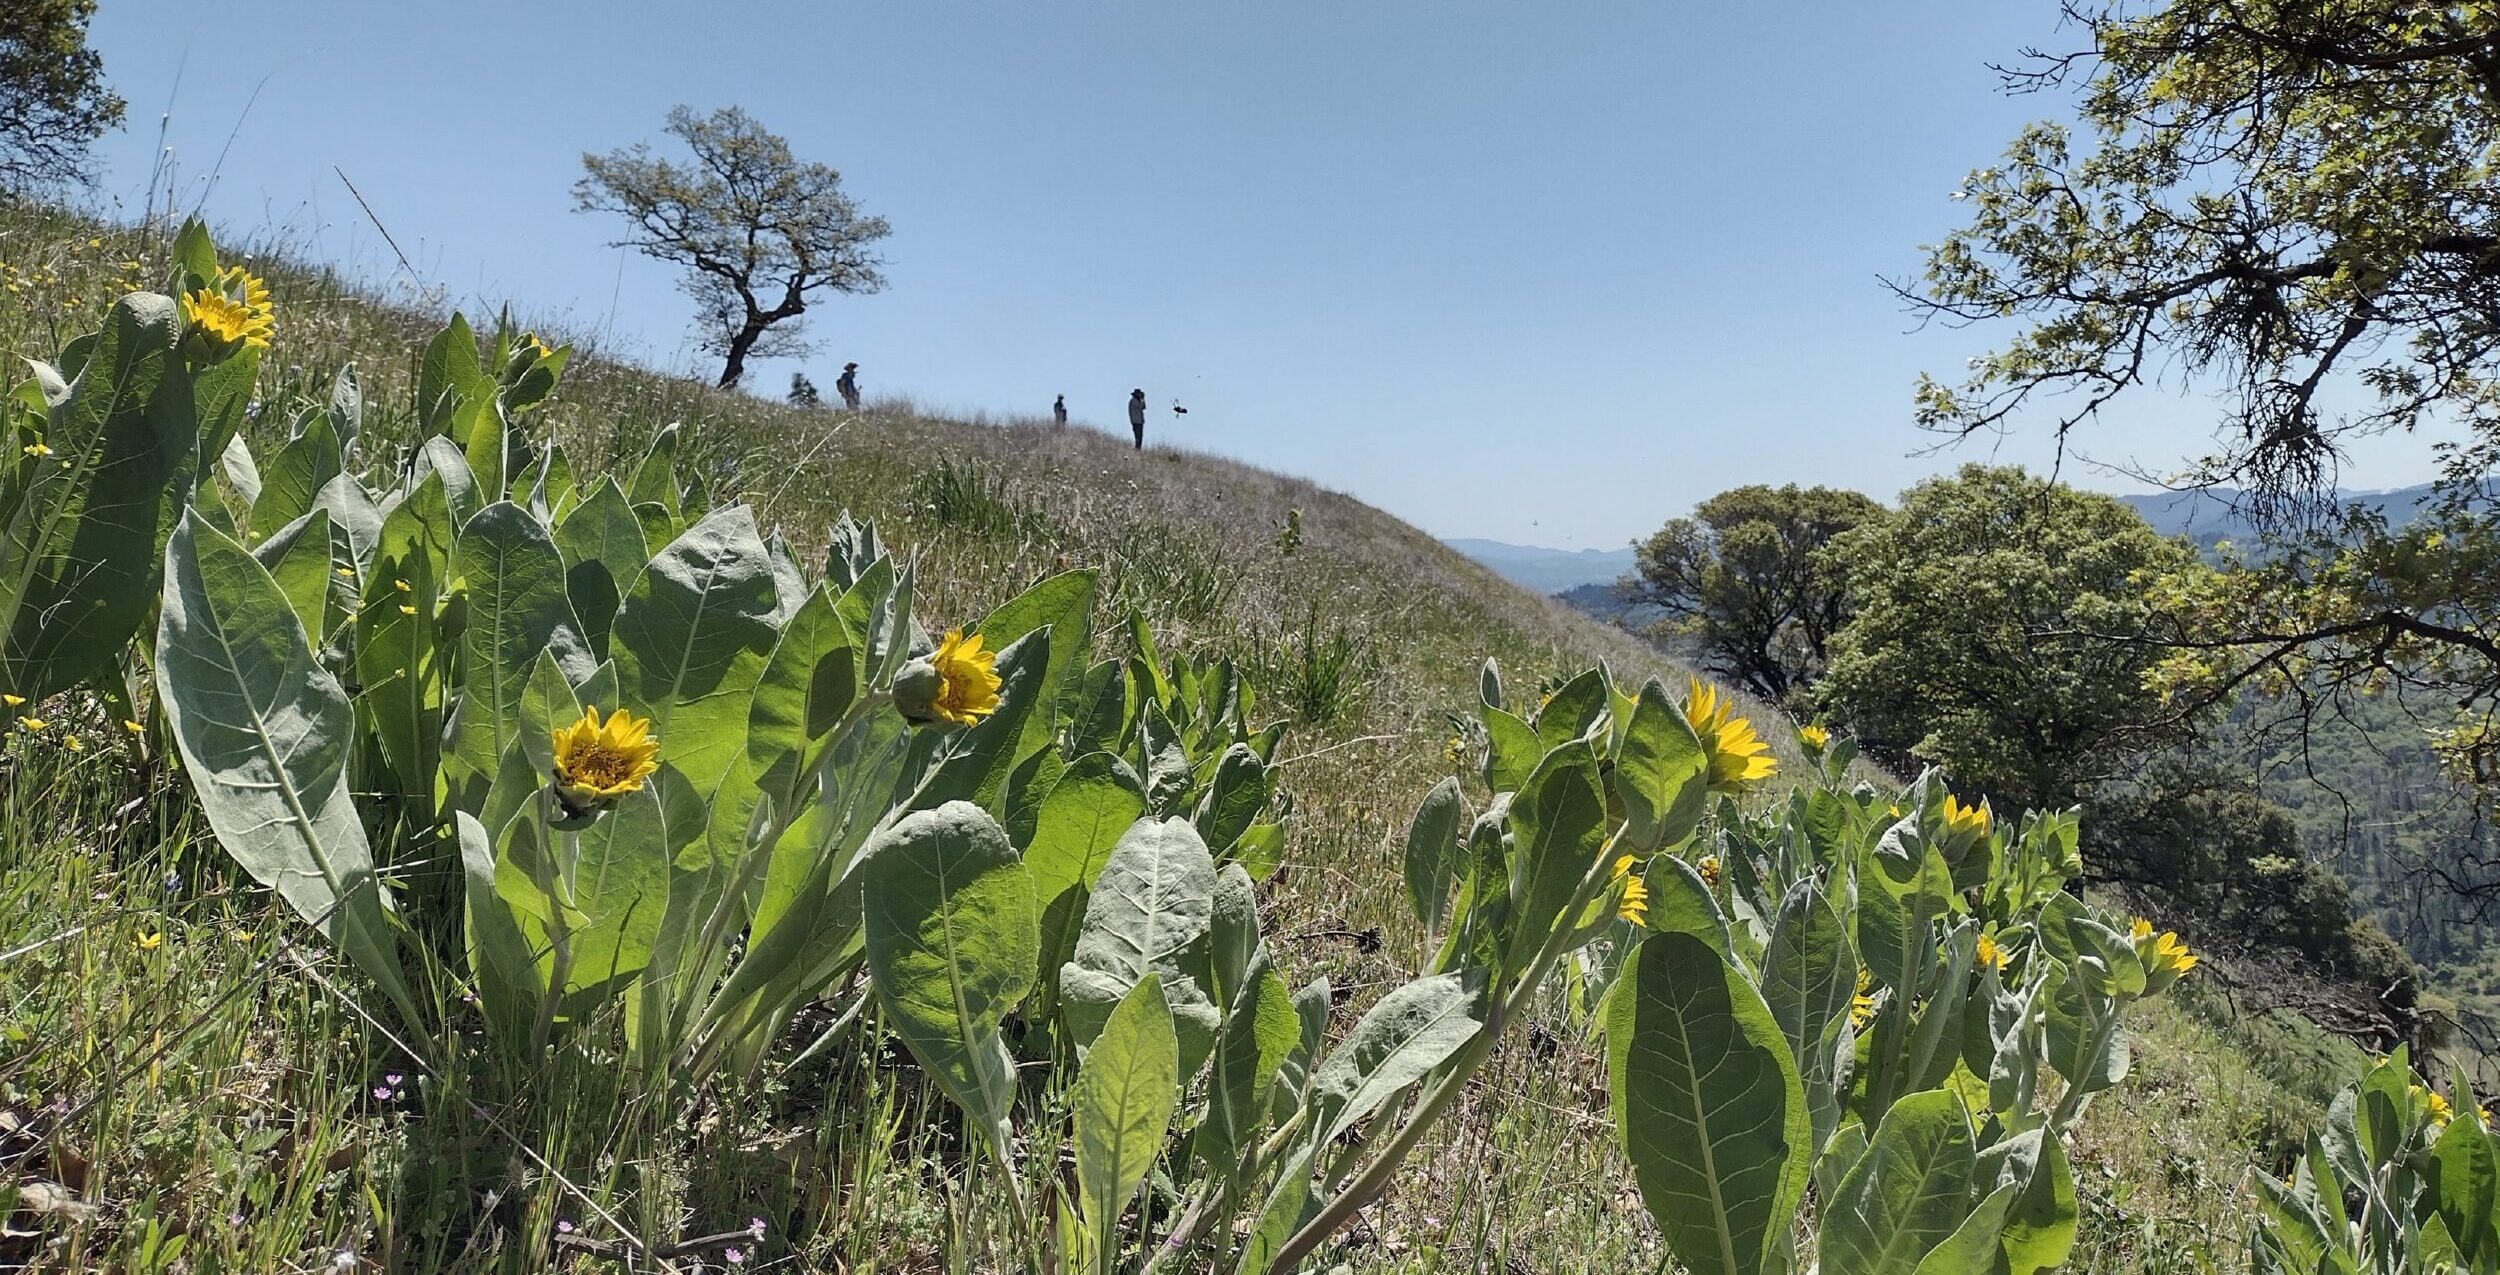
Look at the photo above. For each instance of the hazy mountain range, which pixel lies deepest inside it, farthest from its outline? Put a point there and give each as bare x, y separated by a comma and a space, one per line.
2207, 517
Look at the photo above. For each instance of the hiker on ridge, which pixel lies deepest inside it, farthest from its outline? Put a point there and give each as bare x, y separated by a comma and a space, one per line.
849, 385
1059, 409
1137, 416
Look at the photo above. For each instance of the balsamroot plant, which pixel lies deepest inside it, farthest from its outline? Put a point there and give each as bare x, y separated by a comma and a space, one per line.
2400, 1180
692, 783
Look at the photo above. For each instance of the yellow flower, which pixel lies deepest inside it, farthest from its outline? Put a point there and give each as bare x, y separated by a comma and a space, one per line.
596, 762
71, 742
232, 312
2436, 1103
1814, 738
1635, 904
967, 679
348, 572
2166, 959
242, 936
1862, 1005
150, 941
31, 722
13, 701
1990, 955
407, 610
1737, 756
133, 727
402, 584
1960, 819
38, 449
1709, 870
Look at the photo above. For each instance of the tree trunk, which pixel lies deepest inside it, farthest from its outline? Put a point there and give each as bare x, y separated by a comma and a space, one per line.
735, 365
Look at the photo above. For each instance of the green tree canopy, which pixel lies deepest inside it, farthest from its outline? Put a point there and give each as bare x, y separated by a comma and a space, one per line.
1744, 576
53, 103
2290, 202
758, 232
1986, 607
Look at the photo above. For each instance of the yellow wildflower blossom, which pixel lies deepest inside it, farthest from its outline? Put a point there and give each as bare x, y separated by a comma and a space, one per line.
150, 941
1962, 821
1634, 906
957, 683
598, 762
1737, 756
1862, 1004
1815, 738
38, 449
1990, 955
13, 701
2166, 958
31, 722
233, 312
1709, 870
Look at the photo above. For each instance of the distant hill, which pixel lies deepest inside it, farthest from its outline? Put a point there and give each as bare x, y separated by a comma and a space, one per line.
1547, 570
2209, 517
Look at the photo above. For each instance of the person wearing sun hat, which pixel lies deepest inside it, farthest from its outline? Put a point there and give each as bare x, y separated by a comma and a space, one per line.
849, 385
1137, 416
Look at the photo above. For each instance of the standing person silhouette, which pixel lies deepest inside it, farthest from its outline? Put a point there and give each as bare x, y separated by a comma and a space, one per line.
1137, 416
1059, 409
849, 385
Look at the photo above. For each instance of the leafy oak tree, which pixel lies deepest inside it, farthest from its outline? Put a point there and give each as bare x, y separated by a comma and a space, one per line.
2290, 203
53, 102
1745, 577
1979, 641
759, 232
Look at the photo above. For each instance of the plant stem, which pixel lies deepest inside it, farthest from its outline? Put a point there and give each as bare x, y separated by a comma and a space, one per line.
1375, 1176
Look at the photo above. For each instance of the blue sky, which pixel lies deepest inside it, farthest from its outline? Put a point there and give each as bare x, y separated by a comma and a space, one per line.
1546, 274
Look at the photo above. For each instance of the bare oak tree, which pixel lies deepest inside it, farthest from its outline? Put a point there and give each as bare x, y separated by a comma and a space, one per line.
758, 231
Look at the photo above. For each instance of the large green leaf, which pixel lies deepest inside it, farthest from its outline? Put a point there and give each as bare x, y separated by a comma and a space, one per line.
448, 375
1235, 794
517, 611
1151, 910
503, 956
400, 655
2040, 1222
1909, 1192
952, 936
1708, 1104
692, 638
293, 479
2465, 1183
1397, 1042
603, 552
1260, 1031
80, 546
298, 558
264, 733
1557, 828
810, 683
1432, 853
1661, 773
1809, 979
1094, 803
1121, 1105
1063, 604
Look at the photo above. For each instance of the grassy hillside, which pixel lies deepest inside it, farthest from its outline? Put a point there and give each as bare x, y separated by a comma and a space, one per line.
223, 1106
